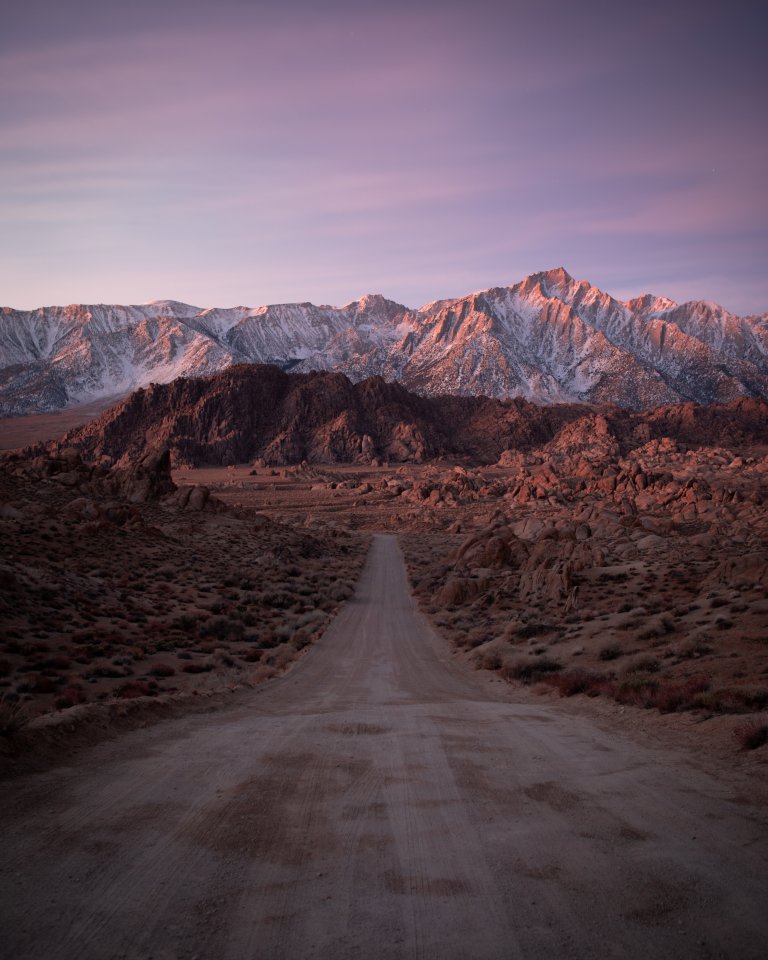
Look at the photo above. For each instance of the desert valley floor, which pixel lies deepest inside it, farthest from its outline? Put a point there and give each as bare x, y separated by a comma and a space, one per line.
394, 711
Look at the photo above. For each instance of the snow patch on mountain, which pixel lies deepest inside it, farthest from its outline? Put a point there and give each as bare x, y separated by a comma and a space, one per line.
548, 338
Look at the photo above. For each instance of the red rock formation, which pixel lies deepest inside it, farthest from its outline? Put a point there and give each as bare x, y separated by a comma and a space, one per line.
249, 412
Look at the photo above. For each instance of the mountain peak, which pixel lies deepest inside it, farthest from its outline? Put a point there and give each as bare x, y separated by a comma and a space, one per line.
648, 303
556, 277
548, 337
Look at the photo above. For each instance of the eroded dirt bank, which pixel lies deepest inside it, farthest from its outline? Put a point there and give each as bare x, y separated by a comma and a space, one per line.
381, 801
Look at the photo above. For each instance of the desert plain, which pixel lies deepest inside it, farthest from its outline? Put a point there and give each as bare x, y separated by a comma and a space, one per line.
432, 709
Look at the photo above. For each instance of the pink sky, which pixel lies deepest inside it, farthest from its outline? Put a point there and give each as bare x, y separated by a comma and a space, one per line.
233, 152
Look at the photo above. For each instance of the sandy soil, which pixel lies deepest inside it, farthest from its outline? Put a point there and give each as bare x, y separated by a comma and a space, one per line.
39, 427
382, 800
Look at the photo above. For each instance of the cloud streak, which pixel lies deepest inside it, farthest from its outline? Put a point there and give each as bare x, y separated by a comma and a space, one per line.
255, 152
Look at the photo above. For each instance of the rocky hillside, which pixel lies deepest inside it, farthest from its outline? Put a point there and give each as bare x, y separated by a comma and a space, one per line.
116, 585
248, 412
549, 338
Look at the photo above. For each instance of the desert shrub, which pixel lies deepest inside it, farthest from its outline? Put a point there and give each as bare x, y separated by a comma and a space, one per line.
278, 600
534, 629
751, 734
134, 688
32, 666
198, 666
280, 656
265, 639
528, 671
570, 682
490, 660
223, 628
162, 670
110, 672
636, 689
693, 649
46, 684
671, 697
70, 696
300, 639
251, 655
58, 662
476, 637
37, 683
732, 700
185, 621
611, 651
644, 663
13, 715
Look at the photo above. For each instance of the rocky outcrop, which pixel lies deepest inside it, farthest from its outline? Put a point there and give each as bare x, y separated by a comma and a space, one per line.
148, 479
249, 412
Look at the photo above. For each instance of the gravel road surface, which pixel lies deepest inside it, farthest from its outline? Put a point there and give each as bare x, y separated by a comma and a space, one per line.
380, 801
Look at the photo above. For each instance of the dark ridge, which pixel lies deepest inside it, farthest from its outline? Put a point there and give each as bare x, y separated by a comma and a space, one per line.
254, 411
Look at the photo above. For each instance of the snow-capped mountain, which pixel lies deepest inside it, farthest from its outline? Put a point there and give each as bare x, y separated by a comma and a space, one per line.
548, 338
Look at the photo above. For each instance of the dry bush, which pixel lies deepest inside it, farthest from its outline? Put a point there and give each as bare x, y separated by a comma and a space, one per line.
643, 663
162, 670
570, 682
223, 628
611, 651
224, 657
198, 666
636, 689
528, 671
693, 649
489, 660
70, 696
533, 629
13, 715
732, 700
671, 697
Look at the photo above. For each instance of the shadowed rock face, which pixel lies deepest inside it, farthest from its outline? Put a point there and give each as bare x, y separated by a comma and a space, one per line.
254, 411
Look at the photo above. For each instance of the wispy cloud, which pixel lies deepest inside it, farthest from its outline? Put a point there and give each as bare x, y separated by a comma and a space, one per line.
246, 152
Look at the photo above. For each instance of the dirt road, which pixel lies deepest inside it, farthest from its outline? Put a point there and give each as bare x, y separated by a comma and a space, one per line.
380, 802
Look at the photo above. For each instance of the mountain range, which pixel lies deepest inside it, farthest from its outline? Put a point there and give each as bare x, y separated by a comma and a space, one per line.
549, 339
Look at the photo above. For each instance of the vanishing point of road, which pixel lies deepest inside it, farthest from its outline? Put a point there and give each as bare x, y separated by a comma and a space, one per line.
380, 801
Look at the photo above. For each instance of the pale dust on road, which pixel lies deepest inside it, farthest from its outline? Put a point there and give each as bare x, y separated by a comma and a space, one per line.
380, 801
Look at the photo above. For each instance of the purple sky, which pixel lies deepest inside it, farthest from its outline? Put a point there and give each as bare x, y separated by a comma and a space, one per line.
242, 152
